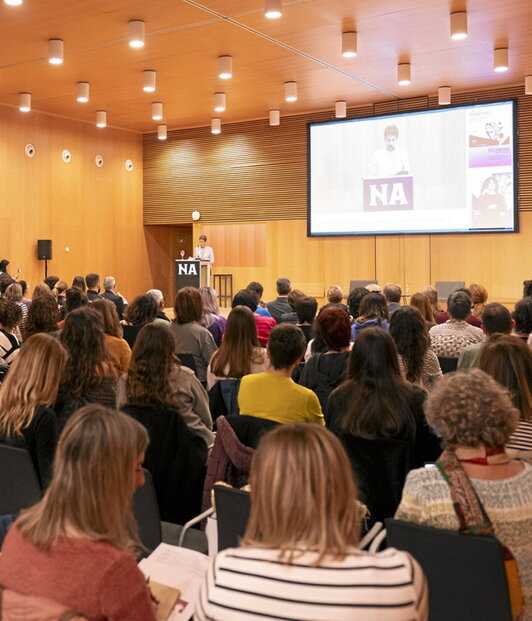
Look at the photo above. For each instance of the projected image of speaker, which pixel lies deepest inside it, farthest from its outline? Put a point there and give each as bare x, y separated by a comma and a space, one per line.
44, 249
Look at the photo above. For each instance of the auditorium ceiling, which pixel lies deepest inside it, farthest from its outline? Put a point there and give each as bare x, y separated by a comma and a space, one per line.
184, 39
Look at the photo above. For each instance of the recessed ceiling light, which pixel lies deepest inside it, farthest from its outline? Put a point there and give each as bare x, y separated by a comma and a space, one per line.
82, 92
403, 74
136, 33
349, 44
101, 118
149, 78
55, 51
273, 9
290, 91
162, 132
500, 59
157, 111
459, 25
225, 67
216, 125
24, 104
219, 102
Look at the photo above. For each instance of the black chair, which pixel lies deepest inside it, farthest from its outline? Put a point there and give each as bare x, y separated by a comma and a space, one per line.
19, 483
146, 512
232, 513
187, 360
465, 573
448, 365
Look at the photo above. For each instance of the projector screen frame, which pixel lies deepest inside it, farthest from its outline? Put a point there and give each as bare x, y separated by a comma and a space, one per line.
515, 162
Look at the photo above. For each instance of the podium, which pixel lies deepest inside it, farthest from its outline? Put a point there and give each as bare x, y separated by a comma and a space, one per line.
192, 273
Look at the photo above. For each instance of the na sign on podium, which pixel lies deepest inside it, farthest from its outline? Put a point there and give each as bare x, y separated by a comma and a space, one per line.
192, 273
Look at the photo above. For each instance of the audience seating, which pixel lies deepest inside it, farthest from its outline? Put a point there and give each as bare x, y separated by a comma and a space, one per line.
19, 483
465, 573
250, 429
232, 513
223, 398
448, 365
146, 512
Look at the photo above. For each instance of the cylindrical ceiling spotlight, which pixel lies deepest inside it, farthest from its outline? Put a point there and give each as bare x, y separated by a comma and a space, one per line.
444, 95
137, 30
403, 74
225, 67
13, 2
275, 118
162, 132
349, 44
149, 80
101, 118
55, 51
273, 9
216, 125
459, 25
157, 111
219, 102
290, 91
24, 102
528, 85
82, 92
340, 109
500, 59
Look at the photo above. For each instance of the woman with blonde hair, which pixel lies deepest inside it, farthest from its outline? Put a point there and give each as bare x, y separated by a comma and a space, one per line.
76, 546
14, 293
27, 419
118, 349
298, 558
210, 315
42, 290
479, 297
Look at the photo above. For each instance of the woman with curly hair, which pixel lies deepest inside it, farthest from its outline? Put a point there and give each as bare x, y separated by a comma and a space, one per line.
418, 363
479, 298
475, 418
89, 377
43, 315
10, 317
422, 303
117, 348
26, 397
373, 313
14, 292
210, 315
141, 311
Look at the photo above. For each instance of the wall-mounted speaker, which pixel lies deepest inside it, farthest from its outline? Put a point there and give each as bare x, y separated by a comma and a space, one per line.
44, 249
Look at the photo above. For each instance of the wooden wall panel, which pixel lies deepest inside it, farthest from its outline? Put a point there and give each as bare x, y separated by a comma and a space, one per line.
94, 212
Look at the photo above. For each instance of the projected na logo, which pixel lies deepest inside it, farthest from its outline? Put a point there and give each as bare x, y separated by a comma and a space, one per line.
389, 193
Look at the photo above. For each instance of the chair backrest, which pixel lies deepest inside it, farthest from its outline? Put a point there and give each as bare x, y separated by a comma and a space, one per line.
465, 573
146, 511
187, 360
353, 284
232, 513
446, 287
19, 483
448, 365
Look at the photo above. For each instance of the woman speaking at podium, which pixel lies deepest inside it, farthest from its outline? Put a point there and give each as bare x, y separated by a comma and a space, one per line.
202, 251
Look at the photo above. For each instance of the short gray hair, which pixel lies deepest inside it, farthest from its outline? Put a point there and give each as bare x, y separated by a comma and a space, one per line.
108, 282
157, 294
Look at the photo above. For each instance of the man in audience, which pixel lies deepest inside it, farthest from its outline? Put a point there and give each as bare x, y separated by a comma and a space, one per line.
264, 325
93, 286
522, 315
273, 394
451, 337
306, 309
293, 297
51, 281
110, 293
280, 305
443, 316
392, 293
159, 298
257, 288
495, 318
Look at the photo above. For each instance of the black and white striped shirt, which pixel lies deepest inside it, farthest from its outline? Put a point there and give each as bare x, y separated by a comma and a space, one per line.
249, 583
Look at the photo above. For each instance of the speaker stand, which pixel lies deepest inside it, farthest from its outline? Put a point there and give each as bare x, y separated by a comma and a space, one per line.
46, 268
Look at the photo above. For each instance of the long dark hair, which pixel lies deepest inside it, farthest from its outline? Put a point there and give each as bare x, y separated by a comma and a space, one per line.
378, 404
409, 331
373, 306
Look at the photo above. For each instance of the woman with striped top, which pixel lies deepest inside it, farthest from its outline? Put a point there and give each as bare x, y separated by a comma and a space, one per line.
299, 558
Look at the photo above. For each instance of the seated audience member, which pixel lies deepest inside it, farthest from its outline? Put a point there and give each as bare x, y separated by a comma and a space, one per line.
298, 558
14, 293
293, 297
373, 287
475, 417
93, 286
373, 313
450, 338
264, 324
379, 418
51, 281
273, 394
392, 293
118, 350
76, 546
527, 288
257, 288
496, 318
27, 395
280, 304
322, 373
432, 294
78, 282
479, 298
155, 373
89, 377
189, 336
444, 316
10, 317
59, 294
74, 298
43, 316
25, 298
422, 303
522, 315
141, 311
335, 297
210, 314
417, 362
5, 282
306, 312
159, 298
170, 402
509, 361
110, 293
353, 301
42, 290
240, 353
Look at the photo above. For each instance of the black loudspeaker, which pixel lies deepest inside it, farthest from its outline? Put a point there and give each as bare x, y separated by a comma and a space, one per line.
44, 249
